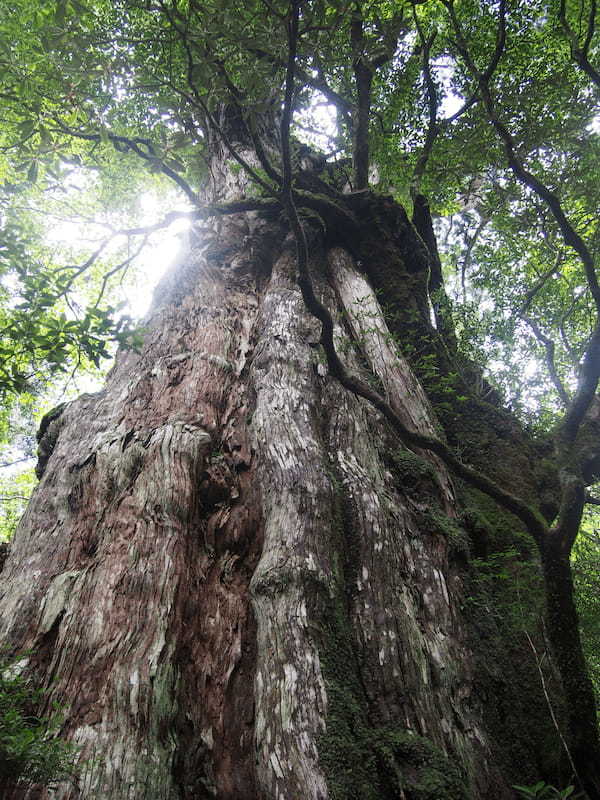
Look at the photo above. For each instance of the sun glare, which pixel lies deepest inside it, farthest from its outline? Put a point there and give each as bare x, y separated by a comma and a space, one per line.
135, 286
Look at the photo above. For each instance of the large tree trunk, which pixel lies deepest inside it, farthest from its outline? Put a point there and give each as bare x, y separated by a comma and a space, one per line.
233, 578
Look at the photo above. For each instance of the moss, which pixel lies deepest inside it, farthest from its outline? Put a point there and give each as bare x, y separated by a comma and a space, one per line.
419, 770
363, 761
492, 529
413, 476
503, 600
347, 761
435, 521
409, 468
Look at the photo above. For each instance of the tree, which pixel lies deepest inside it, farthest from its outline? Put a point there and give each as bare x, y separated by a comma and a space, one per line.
244, 572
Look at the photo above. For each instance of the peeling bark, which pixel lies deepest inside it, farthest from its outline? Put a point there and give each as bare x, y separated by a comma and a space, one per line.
225, 577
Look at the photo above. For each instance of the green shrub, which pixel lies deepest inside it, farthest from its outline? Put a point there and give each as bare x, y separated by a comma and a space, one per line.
543, 791
29, 748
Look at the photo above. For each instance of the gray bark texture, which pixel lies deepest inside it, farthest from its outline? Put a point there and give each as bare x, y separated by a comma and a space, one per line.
232, 578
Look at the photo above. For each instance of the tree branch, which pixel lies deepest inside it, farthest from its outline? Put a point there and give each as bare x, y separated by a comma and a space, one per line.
198, 102
579, 54
136, 145
433, 128
540, 283
549, 348
590, 369
532, 520
363, 77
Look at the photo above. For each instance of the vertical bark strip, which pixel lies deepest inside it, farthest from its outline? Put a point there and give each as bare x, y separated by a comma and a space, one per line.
411, 643
290, 695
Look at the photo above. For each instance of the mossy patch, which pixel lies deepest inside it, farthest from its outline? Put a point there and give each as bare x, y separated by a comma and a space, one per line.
504, 601
418, 768
434, 521
410, 470
362, 760
492, 529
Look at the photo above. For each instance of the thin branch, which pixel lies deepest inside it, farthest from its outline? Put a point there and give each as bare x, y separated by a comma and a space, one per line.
17, 461
538, 663
590, 369
540, 283
122, 265
143, 148
579, 53
549, 348
198, 102
435, 126
570, 235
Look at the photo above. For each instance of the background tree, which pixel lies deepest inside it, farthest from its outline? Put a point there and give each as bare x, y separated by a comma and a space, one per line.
313, 497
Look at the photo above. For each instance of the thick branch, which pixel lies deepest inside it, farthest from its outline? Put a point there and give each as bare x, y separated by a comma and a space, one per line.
142, 148
571, 511
531, 518
433, 128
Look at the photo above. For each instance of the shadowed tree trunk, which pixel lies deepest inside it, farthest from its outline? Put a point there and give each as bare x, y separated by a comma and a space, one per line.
234, 579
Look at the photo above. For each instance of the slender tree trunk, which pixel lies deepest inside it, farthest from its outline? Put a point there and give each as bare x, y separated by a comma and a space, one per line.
563, 632
232, 577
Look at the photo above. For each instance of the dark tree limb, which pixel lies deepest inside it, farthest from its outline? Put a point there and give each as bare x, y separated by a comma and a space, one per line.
143, 148
540, 283
580, 52
590, 369
363, 78
435, 126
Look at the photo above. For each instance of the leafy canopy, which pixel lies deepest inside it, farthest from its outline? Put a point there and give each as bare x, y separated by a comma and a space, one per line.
102, 100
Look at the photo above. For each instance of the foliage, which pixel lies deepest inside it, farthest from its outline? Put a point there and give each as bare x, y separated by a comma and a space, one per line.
29, 748
114, 97
14, 496
507, 587
586, 577
543, 791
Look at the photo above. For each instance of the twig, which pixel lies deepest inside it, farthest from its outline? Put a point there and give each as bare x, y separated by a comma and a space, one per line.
549, 348
17, 461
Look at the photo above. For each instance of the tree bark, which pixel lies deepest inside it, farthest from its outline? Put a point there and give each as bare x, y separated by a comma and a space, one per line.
563, 633
233, 579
